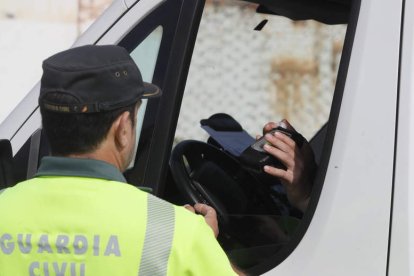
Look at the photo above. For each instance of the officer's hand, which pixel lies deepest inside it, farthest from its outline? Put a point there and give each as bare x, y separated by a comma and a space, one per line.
208, 213
211, 218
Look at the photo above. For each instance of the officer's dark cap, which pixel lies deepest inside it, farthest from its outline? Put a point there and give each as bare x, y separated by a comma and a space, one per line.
94, 78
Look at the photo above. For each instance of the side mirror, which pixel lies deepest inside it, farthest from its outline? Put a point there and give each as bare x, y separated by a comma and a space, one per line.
6, 164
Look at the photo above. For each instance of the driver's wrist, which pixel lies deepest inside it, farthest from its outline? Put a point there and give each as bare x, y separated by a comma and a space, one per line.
303, 205
299, 199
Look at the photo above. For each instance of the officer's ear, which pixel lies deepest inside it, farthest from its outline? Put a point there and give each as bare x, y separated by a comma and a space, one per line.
122, 129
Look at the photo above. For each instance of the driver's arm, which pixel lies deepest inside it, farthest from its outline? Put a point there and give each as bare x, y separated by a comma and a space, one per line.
300, 163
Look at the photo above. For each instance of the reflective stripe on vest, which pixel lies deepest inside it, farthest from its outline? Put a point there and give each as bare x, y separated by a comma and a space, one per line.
158, 237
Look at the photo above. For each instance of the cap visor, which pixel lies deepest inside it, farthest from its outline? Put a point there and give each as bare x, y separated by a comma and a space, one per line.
151, 91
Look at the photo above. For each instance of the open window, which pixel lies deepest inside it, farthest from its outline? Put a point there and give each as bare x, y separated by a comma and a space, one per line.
258, 63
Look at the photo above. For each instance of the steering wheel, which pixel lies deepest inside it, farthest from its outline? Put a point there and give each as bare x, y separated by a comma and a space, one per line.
206, 174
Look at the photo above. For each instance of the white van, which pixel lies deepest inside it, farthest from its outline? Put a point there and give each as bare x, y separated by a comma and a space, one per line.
348, 86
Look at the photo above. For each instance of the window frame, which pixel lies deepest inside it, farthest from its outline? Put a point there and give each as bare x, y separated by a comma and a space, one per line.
331, 126
180, 24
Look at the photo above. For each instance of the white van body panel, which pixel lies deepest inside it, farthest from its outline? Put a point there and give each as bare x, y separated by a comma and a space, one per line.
129, 21
10, 127
104, 22
402, 231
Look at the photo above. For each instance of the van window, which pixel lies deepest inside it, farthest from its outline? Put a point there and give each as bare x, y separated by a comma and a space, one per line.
258, 68
145, 55
286, 70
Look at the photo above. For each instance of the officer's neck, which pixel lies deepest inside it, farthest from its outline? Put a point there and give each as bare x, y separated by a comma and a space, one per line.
106, 154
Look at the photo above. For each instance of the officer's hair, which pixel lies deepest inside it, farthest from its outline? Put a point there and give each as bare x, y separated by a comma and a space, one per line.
78, 133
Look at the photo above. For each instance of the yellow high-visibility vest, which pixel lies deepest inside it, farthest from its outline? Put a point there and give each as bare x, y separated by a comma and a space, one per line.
69, 225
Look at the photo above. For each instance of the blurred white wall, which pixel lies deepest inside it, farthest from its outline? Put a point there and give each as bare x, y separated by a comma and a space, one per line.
32, 30
44, 10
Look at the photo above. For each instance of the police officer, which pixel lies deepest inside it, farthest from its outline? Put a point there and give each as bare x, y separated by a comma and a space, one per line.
78, 216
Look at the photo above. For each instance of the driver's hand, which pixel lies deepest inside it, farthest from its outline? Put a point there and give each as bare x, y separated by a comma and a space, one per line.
300, 164
208, 213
